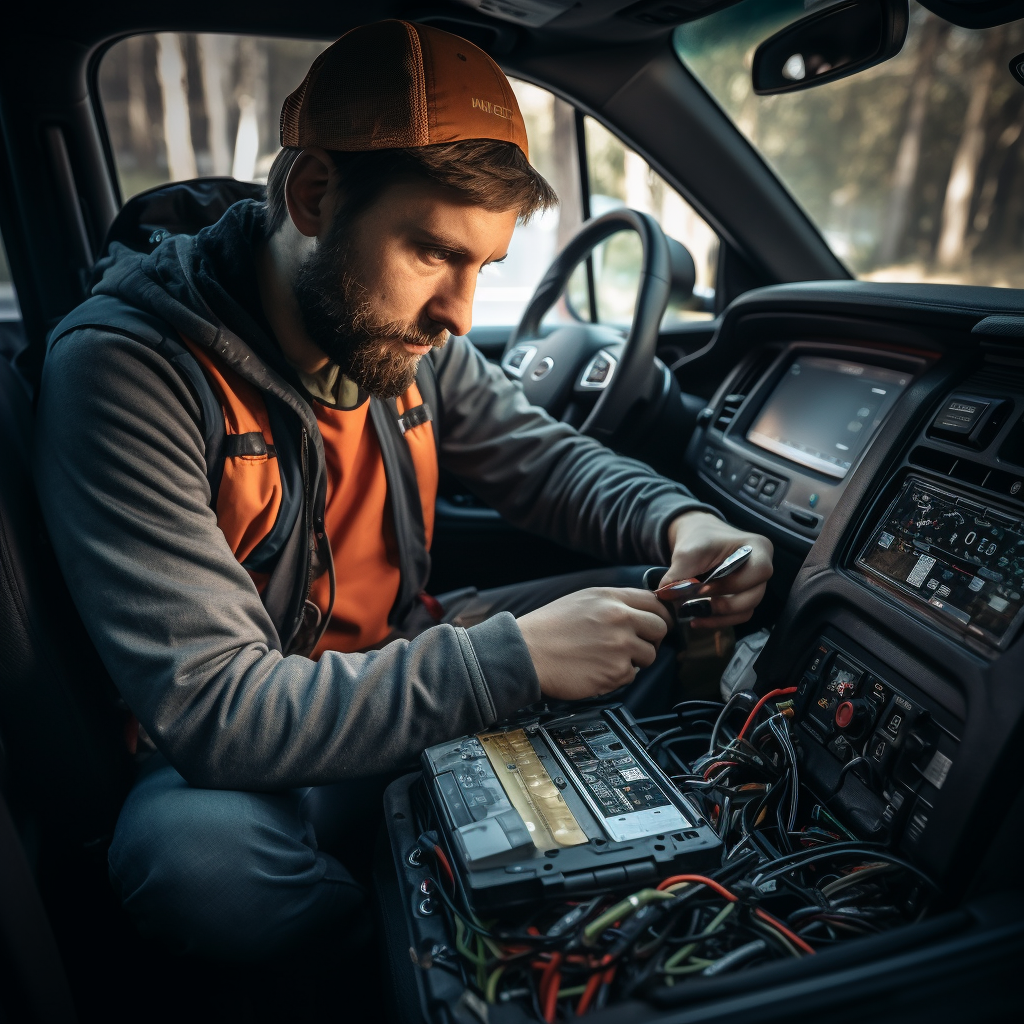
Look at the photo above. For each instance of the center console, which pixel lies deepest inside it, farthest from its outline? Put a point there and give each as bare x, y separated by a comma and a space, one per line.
789, 426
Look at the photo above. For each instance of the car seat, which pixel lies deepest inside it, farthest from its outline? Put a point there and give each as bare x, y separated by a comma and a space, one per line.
64, 763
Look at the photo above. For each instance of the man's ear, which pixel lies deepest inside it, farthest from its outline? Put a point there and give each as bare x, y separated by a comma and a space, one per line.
305, 191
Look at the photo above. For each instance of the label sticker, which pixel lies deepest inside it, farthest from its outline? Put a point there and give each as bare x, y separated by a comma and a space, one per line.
938, 769
920, 571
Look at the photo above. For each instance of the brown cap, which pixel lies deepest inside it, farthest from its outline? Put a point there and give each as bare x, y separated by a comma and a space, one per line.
393, 85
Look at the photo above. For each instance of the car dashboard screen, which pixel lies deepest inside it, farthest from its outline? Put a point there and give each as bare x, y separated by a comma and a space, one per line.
824, 410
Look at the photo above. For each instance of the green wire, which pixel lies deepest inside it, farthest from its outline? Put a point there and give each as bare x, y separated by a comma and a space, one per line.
491, 989
683, 952
692, 968
576, 990
460, 943
820, 812
622, 909
481, 982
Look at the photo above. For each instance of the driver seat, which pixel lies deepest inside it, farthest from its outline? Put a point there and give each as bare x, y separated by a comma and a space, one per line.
64, 762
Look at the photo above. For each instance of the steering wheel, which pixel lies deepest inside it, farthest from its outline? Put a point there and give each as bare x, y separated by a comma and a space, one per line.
580, 360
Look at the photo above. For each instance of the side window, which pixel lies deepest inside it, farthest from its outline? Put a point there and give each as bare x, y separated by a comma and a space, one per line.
619, 177
505, 288
12, 335
181, 105
616, 177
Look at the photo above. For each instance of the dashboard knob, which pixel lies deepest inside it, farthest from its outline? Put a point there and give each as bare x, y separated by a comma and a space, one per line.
854, 717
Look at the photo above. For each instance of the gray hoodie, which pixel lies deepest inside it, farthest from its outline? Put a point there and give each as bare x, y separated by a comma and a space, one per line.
214, 677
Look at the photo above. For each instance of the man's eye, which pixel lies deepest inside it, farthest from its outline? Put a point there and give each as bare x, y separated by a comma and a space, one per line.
441, 255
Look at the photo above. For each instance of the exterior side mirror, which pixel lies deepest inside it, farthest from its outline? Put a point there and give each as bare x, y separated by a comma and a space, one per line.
830, 44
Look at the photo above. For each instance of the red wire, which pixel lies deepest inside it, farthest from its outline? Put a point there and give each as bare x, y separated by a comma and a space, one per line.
792, 936
550, 981
760, 704
723, 892
443, 861
718, 764
700, 880
593, 984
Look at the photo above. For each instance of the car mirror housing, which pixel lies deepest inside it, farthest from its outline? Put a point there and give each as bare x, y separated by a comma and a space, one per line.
830, 44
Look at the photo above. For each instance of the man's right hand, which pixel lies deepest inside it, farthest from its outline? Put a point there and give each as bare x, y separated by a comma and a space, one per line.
594, 641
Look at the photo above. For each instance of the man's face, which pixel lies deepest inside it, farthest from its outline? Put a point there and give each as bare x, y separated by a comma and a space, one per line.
380, 290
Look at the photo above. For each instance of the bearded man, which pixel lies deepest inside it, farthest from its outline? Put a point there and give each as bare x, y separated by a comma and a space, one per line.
239, 439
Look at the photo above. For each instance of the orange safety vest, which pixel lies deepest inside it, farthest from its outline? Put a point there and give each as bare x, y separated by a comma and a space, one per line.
358, 519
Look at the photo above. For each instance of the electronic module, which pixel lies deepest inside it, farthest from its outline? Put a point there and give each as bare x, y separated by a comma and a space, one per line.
561, 805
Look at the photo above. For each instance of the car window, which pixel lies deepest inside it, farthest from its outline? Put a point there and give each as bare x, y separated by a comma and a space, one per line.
183, 105
12, 336
616, 177
620, 177
505, 288
912, 170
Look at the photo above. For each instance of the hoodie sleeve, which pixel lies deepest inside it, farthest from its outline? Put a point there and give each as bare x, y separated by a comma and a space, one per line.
546, 477
121, 475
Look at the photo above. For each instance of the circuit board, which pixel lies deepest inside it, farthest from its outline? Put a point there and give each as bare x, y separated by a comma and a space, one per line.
962, 561
608, 771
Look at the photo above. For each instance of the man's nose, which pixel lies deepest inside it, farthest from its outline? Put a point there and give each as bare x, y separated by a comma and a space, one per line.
451, 305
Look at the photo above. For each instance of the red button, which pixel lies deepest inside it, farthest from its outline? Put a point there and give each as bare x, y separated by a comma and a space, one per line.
844, 714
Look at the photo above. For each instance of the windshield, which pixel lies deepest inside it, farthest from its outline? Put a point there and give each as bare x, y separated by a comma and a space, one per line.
912, 170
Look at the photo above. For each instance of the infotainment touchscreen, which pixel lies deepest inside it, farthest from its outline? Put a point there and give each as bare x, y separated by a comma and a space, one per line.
956, 559
824, 410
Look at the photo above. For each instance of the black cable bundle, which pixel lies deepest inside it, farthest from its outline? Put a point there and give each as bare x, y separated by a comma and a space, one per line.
793, 881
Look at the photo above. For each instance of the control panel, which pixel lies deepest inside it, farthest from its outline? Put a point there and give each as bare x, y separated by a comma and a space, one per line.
896, 747
791, 501
953, 558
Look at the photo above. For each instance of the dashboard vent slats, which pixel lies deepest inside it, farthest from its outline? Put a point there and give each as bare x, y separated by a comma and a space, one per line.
730, 406
748, 375
998, 378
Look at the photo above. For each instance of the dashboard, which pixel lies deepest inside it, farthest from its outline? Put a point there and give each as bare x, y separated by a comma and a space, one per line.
875, 433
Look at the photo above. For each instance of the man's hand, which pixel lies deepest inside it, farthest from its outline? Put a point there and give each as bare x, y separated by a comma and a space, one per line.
700, 542
594, 641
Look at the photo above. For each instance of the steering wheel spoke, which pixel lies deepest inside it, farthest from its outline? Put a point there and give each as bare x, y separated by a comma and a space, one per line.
579, 362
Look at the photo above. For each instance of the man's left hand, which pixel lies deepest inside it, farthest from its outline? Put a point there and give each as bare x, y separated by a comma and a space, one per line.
700, 542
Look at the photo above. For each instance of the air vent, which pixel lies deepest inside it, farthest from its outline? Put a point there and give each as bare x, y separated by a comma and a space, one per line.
998, 378
730, 406
745, 379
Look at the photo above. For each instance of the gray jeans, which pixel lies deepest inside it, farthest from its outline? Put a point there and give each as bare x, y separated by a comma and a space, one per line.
246, 876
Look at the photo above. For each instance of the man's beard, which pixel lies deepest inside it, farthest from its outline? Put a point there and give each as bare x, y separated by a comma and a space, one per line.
343, 322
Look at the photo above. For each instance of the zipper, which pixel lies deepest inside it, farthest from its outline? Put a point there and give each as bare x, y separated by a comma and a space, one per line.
310, 498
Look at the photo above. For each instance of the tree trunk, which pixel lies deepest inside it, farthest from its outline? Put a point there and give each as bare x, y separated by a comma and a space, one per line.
995, 166
565, 178
170, 68
956, 207
216, 59
252, 74
908, 157
138, 114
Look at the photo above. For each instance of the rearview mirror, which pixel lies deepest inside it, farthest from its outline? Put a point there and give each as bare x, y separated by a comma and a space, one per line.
841, 40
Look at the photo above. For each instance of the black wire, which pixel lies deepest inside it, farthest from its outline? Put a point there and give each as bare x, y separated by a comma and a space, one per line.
662, 736
845, 770
859, 849
739, 695
465, 918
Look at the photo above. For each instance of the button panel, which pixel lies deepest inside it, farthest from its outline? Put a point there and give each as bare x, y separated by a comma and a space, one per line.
852, 712
744, 479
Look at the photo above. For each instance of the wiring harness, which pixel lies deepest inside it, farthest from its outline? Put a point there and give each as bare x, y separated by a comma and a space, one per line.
793, 880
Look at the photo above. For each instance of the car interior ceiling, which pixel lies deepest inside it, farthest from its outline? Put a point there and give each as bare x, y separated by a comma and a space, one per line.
945, 793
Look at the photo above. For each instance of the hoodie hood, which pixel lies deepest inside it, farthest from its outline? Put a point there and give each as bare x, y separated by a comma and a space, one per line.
203, 285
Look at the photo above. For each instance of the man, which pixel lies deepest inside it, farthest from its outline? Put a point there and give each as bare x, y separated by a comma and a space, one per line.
238, 446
